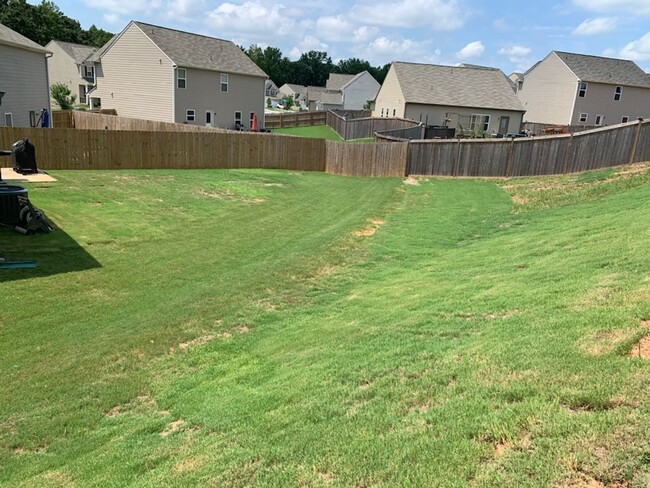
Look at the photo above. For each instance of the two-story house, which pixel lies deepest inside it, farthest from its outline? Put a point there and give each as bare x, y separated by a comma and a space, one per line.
69, 65
472, 99
577, 89
355, 90
156, 73
24, 89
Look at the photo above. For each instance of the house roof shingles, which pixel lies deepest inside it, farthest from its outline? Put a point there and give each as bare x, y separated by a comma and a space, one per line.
12, 38
597, 69
430, 84
338, 81
201, 52
78, 52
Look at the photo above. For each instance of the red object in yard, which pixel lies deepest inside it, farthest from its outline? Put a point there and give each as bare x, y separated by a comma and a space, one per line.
254, 123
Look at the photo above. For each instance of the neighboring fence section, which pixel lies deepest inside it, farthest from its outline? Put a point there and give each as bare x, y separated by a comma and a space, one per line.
567, 153
363, 128
94, 149
298, 119
108, 149
78, 119
359, 159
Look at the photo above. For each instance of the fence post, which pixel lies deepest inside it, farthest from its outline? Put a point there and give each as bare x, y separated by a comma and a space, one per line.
635, 143
565, 163
506, 170
454, 166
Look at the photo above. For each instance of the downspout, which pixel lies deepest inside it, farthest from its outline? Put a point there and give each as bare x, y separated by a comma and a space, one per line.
174, 67
47, 84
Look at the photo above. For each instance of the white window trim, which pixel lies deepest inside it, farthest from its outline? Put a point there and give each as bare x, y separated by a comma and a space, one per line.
580, 89
583, 119
240, 116
187, 115
179, 78
222, 82
618, 91
11, 119
598, 123
486, 121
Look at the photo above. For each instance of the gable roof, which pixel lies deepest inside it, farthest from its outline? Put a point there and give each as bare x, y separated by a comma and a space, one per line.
12, 38
337, 81
202, 52
78, 52
457, 86
598, 69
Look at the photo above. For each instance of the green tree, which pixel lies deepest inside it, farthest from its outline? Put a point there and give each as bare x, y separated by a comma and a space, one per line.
352, 66
62, 96
315, 67
287, 102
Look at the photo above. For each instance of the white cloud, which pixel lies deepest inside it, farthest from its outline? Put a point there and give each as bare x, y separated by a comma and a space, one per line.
439, 15
636, 7
252, 18
386, 49
518, 55
333, 28
638, 50
308, 43
591, 27
472, 50
364, 33
500, 24
113, 19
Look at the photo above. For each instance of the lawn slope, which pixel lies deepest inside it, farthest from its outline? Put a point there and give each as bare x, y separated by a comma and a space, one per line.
271, 329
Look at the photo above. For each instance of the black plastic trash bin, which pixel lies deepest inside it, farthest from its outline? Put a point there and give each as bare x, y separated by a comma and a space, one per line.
10, 205
24, 157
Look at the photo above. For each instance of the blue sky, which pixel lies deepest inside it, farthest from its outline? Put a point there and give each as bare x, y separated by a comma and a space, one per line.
510, 35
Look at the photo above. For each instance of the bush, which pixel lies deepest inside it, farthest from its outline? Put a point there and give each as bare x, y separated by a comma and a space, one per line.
62, 96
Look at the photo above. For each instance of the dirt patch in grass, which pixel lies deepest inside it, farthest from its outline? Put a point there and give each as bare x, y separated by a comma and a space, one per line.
229, 195
642, 348
189, 464
411, 181
172, 427
605, 342
367, 232
199, 341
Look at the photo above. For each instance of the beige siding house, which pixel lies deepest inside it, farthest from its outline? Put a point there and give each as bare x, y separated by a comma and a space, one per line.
470, 99
24, 89
155, 73
576, 89
68, 65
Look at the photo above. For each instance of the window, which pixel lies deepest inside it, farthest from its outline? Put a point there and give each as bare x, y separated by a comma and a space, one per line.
224, 82
582, 90
32, 118
189, 115
393, 112
583, 117
250, 119
617, 93
382, 112
181, 78
237, 118
520, 85
479, 123
89, 72
9, 120
625, 119
599, 120
208, 117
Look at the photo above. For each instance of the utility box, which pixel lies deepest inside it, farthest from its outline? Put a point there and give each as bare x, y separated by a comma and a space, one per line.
24, 157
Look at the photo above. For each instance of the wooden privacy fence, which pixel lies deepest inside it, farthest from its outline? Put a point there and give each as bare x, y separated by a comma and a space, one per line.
359, 159
78, 119
350, 129
567, 153
94, 149
298, 119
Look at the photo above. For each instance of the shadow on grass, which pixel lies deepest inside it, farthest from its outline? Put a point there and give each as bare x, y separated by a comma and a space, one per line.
53, 253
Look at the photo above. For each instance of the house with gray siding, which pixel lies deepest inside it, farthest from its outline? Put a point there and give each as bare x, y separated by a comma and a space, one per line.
69, 65
577, 89
470, 99
356, 90
24, 88
155, 73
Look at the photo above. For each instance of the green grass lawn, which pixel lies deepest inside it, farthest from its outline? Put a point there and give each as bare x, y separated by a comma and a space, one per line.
318, 132
269, 328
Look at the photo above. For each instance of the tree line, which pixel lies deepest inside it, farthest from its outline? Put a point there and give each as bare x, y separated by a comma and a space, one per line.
44, 22
312, 68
